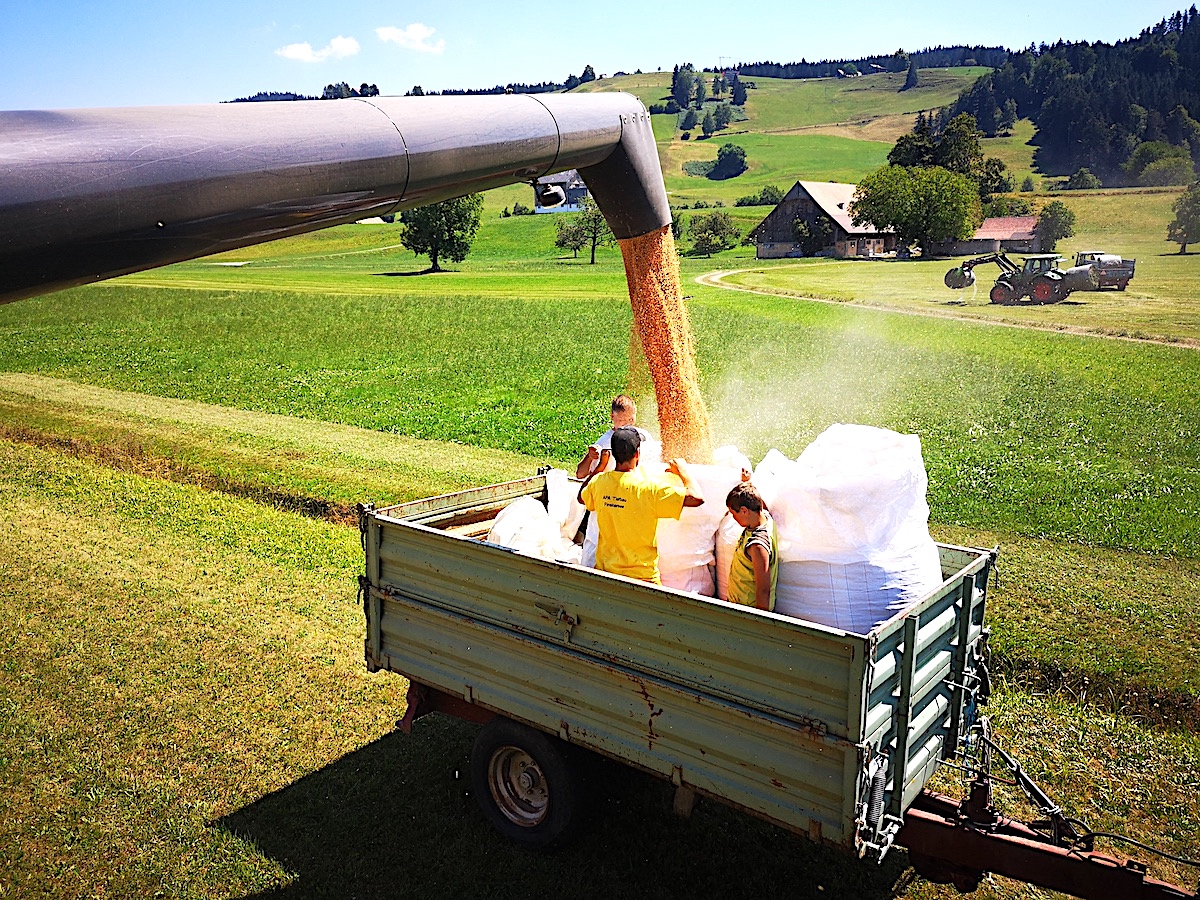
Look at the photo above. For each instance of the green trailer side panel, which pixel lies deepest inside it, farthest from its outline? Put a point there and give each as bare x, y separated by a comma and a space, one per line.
782, 771
772, 714
782, 666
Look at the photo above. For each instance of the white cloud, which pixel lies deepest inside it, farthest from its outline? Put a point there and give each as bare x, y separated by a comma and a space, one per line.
339, 48
412, 37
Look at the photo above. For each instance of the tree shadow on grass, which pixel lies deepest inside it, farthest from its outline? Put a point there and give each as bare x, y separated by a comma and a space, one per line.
397, 819
409, 274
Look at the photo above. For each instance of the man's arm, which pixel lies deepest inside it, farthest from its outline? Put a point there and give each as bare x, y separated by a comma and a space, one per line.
596, 470
693, 496
587, 465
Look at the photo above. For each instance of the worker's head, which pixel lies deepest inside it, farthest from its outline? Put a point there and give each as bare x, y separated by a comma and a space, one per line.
626, 442
745, 505
624, 411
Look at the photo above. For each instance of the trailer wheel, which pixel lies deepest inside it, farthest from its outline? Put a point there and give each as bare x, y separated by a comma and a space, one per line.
524, 784
1122, 285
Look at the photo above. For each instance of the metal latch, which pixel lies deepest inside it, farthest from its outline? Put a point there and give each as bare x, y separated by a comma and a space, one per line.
561, 617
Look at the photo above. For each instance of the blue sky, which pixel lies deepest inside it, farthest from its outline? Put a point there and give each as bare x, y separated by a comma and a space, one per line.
57, 54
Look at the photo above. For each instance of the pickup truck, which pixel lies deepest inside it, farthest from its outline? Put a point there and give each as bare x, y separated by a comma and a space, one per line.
1111, 270
829, 734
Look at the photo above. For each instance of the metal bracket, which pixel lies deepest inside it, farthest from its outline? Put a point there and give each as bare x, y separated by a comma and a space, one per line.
561, 617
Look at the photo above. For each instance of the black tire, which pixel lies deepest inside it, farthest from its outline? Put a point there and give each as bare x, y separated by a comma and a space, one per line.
1122, 285
1001, 293
524, 783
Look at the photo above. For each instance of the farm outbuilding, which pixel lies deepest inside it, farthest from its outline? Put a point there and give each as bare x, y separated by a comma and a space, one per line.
822, 206
1013, 233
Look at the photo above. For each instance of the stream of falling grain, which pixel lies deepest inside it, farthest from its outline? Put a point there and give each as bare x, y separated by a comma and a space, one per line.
659, 316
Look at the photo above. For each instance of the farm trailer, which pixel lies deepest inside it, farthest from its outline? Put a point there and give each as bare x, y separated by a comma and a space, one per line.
829, 734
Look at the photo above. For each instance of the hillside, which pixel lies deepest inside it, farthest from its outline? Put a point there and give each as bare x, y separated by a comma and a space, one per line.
834, 129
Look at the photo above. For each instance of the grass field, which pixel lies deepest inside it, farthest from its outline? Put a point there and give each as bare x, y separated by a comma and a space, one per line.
185, 710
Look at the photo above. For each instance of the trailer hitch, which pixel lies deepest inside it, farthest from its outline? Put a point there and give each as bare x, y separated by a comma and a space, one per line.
957, 842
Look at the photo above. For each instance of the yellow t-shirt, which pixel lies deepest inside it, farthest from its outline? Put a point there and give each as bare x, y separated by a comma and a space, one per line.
627, 506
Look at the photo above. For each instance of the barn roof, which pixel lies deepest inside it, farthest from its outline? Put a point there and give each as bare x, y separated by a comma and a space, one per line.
834, 199
1007, 228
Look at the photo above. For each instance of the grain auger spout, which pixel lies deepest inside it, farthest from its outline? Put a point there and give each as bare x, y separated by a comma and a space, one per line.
90, 194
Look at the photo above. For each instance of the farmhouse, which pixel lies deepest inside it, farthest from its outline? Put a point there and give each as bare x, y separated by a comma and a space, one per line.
1015, 233
821, 206
572, 186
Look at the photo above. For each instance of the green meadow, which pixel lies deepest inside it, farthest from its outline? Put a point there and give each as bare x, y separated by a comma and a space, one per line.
185, 708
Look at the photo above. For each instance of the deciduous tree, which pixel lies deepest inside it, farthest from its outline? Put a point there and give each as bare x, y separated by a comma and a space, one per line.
921, 205
444, 229
714, 232
1083, 180
1185, 227
731, 162
594, 226
569, 235
1055, 222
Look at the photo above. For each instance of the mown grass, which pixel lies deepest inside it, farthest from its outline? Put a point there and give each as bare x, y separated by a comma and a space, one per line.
223, 740
773, 159
1092, 441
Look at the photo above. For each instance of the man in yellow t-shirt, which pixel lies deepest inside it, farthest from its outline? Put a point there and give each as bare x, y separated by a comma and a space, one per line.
628, 502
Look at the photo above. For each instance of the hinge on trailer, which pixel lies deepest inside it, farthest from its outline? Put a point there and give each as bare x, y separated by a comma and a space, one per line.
364, 514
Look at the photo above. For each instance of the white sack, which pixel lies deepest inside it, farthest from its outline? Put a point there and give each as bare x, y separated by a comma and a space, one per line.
854, 526
525, 526
687, 546
563, 503
728, 533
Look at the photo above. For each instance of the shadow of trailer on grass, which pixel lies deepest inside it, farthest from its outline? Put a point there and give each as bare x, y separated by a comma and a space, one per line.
397, 819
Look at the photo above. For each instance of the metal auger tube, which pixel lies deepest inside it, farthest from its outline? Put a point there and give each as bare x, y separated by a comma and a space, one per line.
89, 194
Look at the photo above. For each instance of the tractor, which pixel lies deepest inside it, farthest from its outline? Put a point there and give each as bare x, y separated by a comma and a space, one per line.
1039, 278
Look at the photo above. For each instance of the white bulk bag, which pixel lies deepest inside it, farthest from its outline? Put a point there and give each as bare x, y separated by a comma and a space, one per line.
854, 527
525, 526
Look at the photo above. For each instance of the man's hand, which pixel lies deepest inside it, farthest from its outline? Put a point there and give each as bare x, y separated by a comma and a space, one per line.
694, 496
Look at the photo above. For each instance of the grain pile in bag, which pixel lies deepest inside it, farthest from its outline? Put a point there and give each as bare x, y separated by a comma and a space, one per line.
854, 527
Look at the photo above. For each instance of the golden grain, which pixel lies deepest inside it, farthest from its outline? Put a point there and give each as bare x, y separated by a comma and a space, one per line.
659, 316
